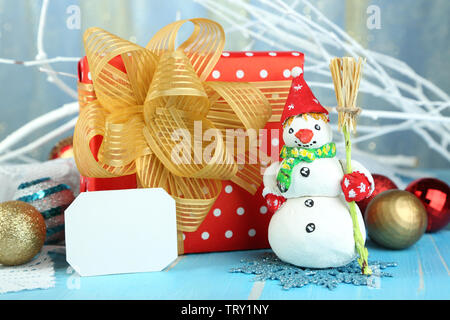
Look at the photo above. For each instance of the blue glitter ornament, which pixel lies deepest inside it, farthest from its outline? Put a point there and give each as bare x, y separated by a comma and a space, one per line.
268, 267
51, 199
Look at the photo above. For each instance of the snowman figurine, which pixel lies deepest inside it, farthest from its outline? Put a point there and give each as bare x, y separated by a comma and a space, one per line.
308, 190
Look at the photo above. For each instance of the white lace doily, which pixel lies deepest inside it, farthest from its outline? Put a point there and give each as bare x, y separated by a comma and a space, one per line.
39, 273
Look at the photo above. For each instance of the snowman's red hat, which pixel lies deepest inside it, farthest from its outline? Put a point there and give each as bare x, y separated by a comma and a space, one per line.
300, 99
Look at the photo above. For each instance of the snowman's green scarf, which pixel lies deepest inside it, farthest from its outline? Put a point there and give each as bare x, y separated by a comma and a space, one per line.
292, 156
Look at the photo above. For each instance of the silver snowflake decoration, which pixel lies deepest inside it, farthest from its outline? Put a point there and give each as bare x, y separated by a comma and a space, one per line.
268, 267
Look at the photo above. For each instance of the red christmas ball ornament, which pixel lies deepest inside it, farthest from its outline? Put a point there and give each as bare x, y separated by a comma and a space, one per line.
382, 183
63, 149
435, 196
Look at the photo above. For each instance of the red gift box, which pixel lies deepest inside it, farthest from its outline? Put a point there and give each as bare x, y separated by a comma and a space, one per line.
237, 220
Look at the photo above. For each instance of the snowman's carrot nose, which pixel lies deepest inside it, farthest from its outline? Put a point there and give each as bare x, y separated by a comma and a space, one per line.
305, 135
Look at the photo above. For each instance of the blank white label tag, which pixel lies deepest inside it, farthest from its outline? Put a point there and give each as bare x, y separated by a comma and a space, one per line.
121, 231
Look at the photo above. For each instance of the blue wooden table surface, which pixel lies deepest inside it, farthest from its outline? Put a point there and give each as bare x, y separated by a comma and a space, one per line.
422, 273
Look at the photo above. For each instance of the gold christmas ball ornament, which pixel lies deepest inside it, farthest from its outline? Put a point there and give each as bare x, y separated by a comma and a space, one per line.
395, 219
22, 232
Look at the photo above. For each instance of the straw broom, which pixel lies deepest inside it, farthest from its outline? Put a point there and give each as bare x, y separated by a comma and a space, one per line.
346, 74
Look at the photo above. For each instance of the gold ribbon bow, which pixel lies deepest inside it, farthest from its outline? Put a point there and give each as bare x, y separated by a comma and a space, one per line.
140, 113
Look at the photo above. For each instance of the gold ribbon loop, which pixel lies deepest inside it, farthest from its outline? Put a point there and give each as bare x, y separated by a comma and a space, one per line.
151, 172
86, 94
117, 88
159, 119
203, 47
241, 106
91, 123
123, 141
194, 198
177, 141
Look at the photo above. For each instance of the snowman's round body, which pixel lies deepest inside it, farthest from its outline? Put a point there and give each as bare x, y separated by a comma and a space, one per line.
313, 227
314, 232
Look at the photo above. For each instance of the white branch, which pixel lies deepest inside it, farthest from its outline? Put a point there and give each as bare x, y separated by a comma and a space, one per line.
40, 122
42, 56
65, 74
33, 63
41, 141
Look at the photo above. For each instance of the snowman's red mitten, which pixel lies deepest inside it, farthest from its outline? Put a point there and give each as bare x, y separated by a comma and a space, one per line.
274, 202
356, 186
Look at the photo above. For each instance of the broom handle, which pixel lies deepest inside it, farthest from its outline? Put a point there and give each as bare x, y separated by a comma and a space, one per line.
359, 241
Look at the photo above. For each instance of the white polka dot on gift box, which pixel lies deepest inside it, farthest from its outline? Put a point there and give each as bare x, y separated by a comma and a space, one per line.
286, 73
263, 74
240, 74
216, 74
229, 189
205, 235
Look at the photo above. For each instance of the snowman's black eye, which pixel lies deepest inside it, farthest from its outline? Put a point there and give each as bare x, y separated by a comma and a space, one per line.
317, 127
291, 131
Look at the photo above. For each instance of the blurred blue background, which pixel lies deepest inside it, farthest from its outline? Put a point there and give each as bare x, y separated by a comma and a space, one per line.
415, 31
